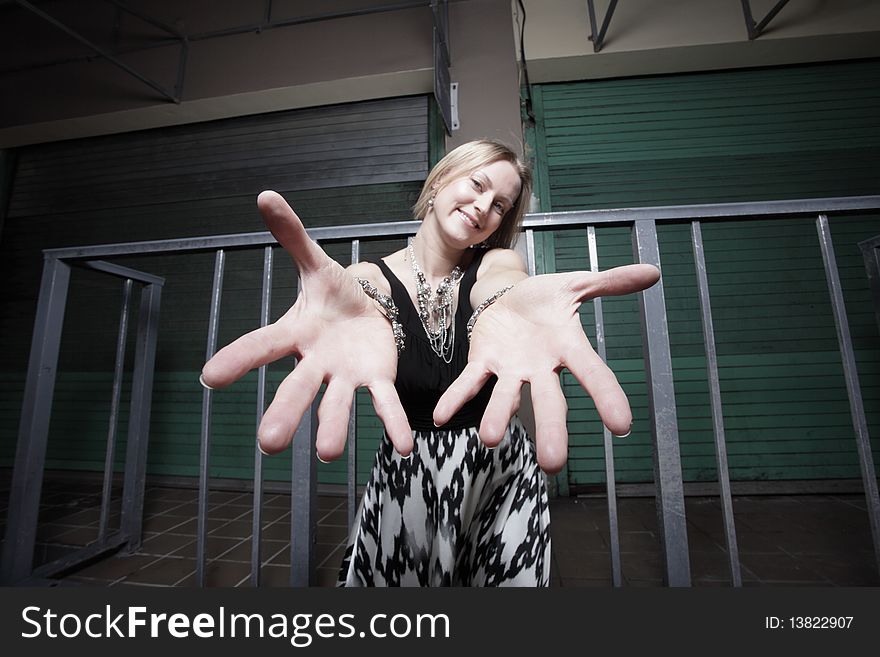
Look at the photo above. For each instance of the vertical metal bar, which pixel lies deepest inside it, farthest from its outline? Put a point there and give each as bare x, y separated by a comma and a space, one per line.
530, 251
664, 421
303, 496
352, 426
610, 477
33, 431
750, 20
594, 33
303, 502
139, 415
871, 255
110, 457
205, 448
860, 424
257, 528
181, 68
715, 399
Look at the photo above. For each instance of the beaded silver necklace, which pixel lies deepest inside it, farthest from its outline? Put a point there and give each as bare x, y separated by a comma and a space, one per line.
435, 309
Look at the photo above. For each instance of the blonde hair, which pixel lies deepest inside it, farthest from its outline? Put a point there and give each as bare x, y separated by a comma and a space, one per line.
466, 159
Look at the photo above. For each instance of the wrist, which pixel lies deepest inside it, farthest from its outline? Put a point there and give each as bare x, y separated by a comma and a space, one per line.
479, 309
388, 308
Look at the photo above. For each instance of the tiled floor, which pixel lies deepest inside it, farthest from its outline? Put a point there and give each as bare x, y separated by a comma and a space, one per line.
783, 540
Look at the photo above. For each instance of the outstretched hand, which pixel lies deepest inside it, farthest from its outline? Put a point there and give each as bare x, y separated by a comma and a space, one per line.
339, 338
529, 335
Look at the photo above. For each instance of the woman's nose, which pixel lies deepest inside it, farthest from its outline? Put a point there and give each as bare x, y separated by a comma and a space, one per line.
482, 202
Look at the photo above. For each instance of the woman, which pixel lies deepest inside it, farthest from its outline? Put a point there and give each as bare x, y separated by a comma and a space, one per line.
455, 496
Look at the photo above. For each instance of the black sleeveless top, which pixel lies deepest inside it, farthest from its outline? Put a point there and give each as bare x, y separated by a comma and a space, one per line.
422, 376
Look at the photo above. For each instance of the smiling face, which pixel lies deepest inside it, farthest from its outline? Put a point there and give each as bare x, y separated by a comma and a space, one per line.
475, 182
471, 207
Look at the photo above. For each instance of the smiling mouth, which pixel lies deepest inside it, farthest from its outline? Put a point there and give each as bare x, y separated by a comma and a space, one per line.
468, 219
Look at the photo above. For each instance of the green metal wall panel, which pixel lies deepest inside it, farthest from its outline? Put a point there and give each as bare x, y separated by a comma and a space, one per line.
751, 135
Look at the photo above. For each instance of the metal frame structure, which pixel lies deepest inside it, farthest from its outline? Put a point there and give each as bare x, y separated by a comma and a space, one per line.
30, 457
756, 29
439, 9
27, 477
173, 96
753, 28
598, 36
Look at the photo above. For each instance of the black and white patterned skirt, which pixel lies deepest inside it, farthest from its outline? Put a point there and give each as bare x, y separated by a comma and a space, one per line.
454, 514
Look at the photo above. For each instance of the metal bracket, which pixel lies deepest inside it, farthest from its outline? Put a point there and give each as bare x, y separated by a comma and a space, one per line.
598, 38
755, 29
453, 106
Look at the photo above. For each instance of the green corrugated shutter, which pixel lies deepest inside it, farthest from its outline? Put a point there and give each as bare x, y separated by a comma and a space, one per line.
750, 135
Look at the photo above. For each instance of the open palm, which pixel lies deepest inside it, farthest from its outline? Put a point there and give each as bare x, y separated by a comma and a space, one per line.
339, 338
529, 335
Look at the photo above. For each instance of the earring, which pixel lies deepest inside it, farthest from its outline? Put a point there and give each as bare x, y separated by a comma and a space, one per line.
431, 202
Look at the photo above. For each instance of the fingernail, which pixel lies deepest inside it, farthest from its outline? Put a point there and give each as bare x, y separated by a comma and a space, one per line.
202, 381
624, 435
322, 460
407, 457
262, 451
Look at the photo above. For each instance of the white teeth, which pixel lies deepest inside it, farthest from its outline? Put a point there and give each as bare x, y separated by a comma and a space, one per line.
469, 220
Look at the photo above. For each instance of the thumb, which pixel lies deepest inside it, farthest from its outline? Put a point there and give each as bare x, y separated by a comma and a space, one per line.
612, 282
288, 229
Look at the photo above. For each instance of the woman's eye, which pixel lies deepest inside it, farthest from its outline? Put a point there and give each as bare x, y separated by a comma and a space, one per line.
499, 208
477, 184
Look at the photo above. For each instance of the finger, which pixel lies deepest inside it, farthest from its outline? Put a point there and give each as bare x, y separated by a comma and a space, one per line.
292, 400
333, 415
388, 408
600, 383
551, 430
259, 347
290, 232
464, 388
503, 403
617, 281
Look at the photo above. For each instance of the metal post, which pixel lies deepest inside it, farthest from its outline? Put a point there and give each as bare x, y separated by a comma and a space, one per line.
610, 478
664, 421
530, 252
598, 37
850, 372
104, 522
715, 399
352, 426
33, 431
870, 249
205, 446
303, 502
257, 528
139, 415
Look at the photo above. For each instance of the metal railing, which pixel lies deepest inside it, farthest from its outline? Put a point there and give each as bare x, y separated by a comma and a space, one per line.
30, 456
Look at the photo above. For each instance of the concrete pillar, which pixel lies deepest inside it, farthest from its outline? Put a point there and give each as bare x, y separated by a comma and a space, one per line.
483, 52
